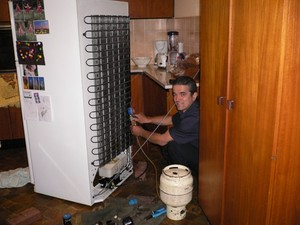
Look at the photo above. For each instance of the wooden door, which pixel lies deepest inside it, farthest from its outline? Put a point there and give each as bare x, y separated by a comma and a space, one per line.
137, 92
160, 9
214, 30
16, 122
145, 9
5, 125
4, 12
137, 8
285, 209
254, 66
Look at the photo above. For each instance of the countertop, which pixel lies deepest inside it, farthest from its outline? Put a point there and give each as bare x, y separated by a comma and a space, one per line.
159, 75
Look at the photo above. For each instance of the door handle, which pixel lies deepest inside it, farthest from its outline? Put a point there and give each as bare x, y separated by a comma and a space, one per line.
230, 104
221, 100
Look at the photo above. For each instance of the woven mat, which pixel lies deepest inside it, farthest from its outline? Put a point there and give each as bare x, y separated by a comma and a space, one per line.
117, 209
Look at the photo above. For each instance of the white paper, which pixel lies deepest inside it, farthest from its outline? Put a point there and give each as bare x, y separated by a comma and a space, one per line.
30, 109
37, 107
44, 109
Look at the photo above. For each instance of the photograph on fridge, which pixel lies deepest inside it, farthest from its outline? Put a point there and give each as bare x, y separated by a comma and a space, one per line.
30, 70
25, 13
41, 26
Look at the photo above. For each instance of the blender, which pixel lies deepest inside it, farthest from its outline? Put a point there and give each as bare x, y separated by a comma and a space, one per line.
160, 52
172, 47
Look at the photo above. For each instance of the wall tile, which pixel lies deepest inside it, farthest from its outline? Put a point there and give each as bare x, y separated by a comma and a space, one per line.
144, 33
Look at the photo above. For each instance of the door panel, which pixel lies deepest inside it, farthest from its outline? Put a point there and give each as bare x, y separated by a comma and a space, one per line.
214, 51
286, 198
254, 71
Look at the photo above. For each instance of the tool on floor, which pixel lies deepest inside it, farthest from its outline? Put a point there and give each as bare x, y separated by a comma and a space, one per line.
67, 219
156, 213
110, 222
127, 221
132, 201
99, 223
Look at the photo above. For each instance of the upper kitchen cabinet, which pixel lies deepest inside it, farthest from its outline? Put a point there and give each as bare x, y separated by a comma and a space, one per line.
249, 121
4, 12
186, 8
150, 9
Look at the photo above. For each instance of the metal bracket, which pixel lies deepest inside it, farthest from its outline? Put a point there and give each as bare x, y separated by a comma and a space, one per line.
230, 104
221, 100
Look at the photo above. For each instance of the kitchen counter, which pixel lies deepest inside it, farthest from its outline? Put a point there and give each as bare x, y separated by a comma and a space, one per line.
159, 75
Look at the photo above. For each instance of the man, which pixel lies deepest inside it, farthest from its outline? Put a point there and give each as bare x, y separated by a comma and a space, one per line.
180, 143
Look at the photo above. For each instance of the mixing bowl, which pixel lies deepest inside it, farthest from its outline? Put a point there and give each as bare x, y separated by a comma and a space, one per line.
141, 62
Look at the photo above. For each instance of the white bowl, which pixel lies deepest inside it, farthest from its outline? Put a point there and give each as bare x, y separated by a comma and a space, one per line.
141, 62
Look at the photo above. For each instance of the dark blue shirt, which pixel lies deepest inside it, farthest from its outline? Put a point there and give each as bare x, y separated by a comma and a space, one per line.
185, 129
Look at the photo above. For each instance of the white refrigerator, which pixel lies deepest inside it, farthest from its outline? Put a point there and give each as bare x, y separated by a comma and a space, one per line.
73, 66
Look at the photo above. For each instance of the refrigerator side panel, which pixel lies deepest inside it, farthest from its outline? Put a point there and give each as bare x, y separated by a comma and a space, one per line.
20, 84
57, 147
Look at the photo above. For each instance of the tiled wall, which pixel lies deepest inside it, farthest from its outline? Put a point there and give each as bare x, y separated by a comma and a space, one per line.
143, 34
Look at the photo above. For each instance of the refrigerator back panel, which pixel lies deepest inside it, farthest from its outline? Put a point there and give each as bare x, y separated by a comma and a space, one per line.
105, 62
109, 64
108, 75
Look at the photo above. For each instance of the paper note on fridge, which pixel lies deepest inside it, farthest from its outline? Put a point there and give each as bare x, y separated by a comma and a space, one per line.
44, 109
38, 110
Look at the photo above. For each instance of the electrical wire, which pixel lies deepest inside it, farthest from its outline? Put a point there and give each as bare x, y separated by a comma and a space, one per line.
158, 125
141, 149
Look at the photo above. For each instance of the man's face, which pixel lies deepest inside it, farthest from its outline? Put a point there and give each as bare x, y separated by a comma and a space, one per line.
182, 96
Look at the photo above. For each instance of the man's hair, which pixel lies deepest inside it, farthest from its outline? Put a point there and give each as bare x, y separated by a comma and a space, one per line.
186, 80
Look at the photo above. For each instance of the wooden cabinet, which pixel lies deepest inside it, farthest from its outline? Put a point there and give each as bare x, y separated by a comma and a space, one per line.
213, 26
5, 127
4, 12
11, 123
137, 92
149, 98
143, 9
250, 101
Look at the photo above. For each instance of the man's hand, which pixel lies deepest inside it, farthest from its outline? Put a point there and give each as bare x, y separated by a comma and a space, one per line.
137, 130
141, 118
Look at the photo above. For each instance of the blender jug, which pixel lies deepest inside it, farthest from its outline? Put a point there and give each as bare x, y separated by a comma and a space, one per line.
172, 47
173, 41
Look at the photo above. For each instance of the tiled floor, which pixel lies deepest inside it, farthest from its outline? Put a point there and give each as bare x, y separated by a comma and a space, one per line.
15, 200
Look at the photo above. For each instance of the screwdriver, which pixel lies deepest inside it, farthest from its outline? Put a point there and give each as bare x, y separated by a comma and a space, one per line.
156, 213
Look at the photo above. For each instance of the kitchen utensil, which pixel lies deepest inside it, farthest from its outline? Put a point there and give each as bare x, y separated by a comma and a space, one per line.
160, 46
162, 59
141, 62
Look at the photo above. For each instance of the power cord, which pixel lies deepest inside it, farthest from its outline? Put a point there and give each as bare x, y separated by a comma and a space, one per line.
142, 150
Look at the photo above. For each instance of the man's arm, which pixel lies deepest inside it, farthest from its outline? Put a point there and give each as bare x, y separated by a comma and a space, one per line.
156, 138
141, 118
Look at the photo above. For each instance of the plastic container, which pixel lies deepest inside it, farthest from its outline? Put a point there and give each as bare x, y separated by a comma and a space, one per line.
67, 219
